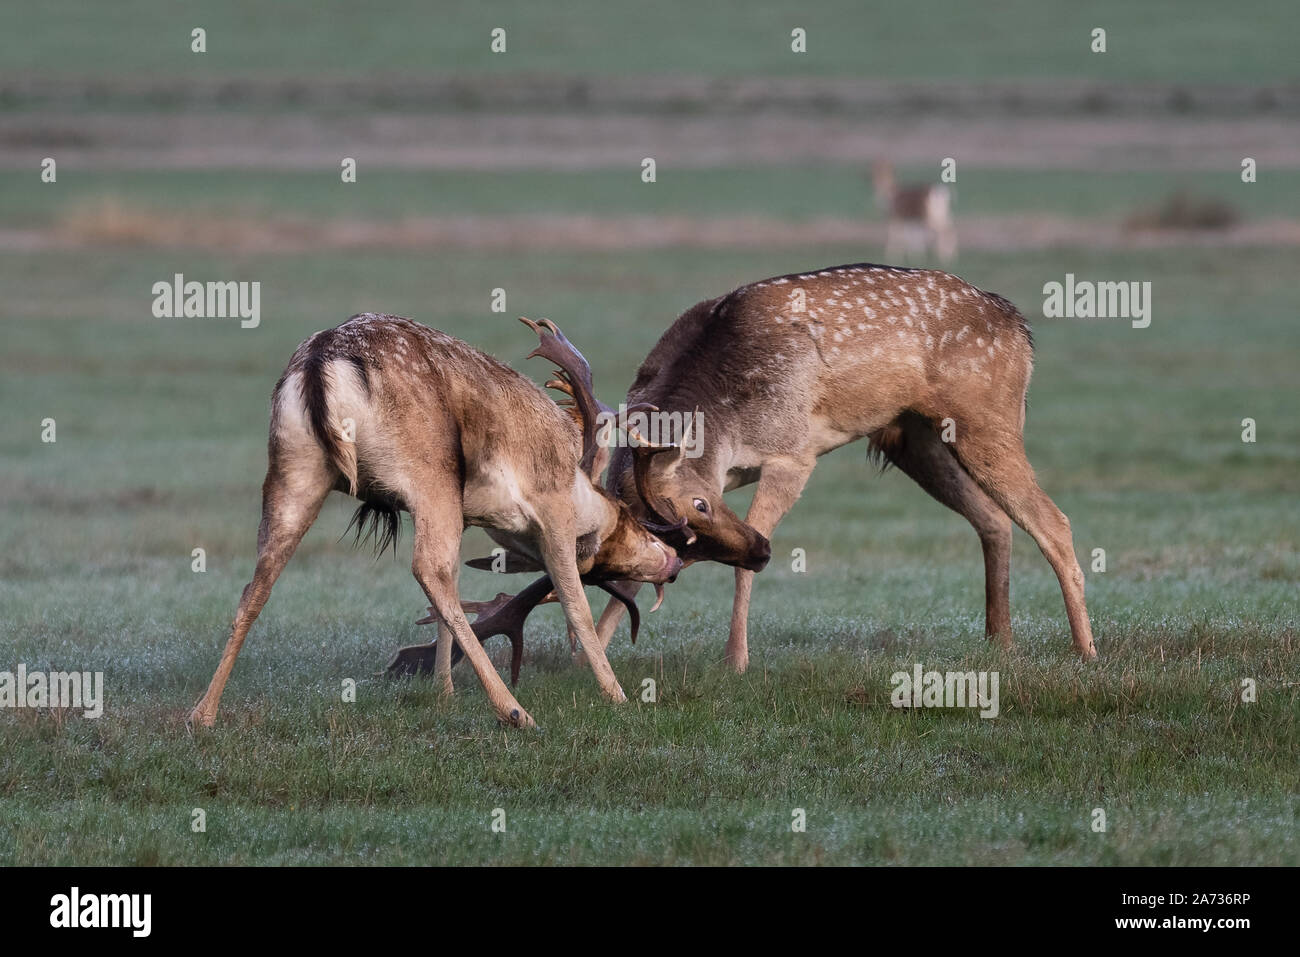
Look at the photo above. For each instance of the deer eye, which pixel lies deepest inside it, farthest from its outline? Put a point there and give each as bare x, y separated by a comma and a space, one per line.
701, 506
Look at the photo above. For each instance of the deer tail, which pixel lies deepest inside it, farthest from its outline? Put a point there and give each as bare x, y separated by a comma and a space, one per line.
884, 444
337, 438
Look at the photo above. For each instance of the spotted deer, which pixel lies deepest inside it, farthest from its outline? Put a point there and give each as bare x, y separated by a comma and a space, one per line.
406, 418
918, 216
932, 371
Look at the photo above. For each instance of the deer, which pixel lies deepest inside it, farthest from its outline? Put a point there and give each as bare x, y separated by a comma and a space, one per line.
409, 419
919, 216
932, 371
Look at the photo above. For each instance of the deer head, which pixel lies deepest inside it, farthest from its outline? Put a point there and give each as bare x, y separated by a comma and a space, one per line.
628, 548
685, 507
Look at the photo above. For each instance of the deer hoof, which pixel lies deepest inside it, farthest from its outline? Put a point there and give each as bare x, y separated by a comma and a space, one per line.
519, 718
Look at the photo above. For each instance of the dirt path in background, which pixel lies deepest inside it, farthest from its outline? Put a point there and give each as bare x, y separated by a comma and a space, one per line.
124, 228
581, 141
673, 93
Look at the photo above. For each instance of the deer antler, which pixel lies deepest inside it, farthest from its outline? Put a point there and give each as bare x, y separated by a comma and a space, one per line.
503, 615
629, 602
568, 405
574, 374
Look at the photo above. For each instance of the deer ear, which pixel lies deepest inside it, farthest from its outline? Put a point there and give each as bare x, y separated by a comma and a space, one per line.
515, 562
663, 463
601, 462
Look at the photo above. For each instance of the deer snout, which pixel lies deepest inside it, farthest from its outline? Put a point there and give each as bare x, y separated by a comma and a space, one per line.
759, 555
670, 566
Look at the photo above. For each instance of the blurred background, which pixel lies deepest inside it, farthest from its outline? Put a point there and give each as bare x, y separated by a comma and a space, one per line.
522, 170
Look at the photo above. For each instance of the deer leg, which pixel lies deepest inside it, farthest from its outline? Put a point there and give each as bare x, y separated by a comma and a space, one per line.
780, 484
291, 500
438, 527
1002, 470
558, 554
442, 661
923, 457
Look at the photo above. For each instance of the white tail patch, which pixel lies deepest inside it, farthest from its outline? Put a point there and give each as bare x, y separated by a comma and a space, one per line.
348, 405
346, 459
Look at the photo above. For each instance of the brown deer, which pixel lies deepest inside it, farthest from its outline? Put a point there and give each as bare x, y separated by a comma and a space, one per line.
406, 418
506, 614
932, 371
919, 216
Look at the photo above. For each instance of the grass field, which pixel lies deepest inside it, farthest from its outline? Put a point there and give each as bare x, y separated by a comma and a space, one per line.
1162, 39
787, 193
161, 432
1135, 433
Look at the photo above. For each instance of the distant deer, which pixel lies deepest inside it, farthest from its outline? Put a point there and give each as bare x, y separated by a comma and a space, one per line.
919, 217
787, 369
406, 418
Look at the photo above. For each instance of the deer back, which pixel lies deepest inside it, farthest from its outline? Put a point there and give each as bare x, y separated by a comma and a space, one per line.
849, 347
392, 401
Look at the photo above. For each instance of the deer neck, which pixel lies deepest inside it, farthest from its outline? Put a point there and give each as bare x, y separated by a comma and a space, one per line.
595, 513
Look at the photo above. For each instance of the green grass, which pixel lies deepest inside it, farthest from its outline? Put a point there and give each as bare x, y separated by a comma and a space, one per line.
1165, 40
1135, 433
784, 192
